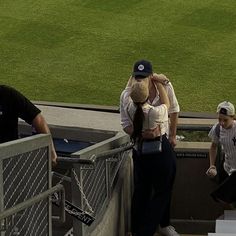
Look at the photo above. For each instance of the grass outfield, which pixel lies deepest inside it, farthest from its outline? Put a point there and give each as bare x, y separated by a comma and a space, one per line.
82, 51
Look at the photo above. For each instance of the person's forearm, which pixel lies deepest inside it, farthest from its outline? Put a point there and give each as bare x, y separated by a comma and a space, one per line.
173, 123
41, 127
212, 170
128, 130
212, 154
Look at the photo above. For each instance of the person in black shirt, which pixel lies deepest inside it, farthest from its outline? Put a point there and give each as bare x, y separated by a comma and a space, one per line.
14, 105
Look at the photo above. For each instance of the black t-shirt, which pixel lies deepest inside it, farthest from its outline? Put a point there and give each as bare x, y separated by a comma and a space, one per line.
14, 105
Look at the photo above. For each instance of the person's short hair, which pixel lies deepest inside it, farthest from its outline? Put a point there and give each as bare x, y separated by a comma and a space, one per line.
142, 69
139, 91
226, 108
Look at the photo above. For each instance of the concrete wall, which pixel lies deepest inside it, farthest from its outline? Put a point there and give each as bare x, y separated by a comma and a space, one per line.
193, 209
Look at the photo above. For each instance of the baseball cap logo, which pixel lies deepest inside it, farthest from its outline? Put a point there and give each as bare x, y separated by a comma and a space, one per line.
141, 67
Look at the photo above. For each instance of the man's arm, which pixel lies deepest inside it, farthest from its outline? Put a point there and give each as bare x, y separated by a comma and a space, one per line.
173, 128
174, 106
41, 127
125, 120
173, 114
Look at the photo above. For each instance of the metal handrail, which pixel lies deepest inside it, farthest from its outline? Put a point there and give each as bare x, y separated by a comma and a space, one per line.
21, 206
95, 157
106, 154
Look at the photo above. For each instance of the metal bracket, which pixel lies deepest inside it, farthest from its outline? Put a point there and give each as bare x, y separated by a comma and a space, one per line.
6, 223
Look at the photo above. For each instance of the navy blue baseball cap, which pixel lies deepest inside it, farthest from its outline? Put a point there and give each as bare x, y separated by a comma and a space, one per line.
142, 68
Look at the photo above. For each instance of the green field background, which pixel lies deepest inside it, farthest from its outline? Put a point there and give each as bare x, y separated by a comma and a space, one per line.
82, 51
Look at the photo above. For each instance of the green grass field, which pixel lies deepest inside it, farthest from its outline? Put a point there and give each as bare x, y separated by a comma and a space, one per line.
82, 51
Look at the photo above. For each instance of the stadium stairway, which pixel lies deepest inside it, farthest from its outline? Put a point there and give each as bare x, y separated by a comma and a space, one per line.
225, 224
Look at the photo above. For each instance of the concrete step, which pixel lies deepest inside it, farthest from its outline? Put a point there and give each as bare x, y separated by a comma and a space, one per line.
230, 214
220, 234
226, 226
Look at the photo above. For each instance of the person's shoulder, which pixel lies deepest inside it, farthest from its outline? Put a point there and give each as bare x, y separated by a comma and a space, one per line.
5, 87
214, 131
125, 92
216, 126
169, 85
127, 89
7, 90
234, 124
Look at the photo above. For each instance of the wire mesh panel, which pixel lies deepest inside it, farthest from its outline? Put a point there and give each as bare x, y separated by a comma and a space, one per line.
97, 185
115, 162
97, 182
94, 186
104, 178
31, 221
24, 175
93, 176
